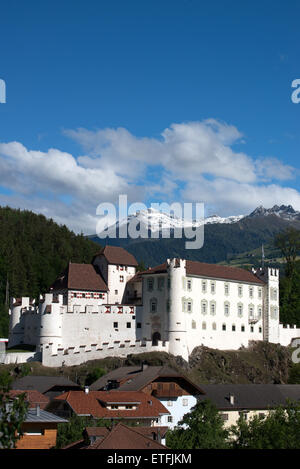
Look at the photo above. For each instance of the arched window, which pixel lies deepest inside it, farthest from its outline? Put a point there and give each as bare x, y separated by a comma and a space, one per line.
214, 326
155, 338
204, 325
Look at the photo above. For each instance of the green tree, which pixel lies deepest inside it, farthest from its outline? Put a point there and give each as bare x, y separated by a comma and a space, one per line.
280, 429
93, 375
12, 414
201, 428
289, 244
72, 431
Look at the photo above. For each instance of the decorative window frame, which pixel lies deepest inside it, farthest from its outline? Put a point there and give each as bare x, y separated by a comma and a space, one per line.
240, 310
160, 283
226, 288
204, 307
213, 307
150, 284
153, 301
213, 287
226, 307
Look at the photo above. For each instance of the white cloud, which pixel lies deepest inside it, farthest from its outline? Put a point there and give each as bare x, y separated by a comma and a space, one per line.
195, 161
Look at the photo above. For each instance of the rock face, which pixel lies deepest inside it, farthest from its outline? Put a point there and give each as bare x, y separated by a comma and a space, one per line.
260, 363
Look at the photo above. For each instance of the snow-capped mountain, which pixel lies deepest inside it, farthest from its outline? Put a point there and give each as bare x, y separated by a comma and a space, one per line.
154, 221
285, 212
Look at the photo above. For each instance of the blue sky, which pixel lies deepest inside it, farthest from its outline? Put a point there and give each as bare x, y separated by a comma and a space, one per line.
162, 100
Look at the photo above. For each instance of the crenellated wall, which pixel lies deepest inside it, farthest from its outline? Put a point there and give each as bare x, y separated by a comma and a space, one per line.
78, 355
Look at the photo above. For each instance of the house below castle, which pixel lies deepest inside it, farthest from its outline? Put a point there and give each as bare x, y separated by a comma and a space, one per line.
107, 308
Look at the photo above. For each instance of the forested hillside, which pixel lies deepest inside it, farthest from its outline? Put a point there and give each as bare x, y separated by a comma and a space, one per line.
33, 251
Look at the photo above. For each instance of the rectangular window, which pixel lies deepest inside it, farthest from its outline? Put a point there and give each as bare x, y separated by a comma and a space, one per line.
224, 417
139, 325
240, 290
128, 325
203, 286
189, 285
185, 402
243, 328
189, 306
121, 278
115, 325
212, 287
226, 289
150, 284
170, 403
170, 419
251, 292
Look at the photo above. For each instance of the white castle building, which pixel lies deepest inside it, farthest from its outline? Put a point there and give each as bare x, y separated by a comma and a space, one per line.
107, 308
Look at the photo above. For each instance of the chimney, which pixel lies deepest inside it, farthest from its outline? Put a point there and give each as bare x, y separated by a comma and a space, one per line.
86, 389
231, 399
144, 366
38, 410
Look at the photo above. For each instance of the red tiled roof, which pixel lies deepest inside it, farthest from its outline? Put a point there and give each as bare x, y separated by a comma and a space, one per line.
33, 397
123, 437
203, 269
93, 403
117, 256
80, 277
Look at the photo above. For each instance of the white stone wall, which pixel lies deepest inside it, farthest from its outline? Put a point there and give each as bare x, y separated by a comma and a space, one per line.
287, 334
71, 356
178, 407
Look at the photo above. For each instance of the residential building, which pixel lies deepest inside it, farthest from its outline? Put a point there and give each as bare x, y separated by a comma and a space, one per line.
175, 391
135, 407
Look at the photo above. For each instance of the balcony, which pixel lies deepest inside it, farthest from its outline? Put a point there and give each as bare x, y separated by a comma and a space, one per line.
253, 319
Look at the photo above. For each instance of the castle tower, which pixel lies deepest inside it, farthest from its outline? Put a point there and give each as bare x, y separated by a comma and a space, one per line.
270, 303
16, 321
176, 319
51, 312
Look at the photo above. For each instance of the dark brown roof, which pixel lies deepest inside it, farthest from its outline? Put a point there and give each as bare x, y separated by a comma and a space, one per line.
202, 269
32, 396
123, 437
101, 432
43, 383
80, 277
221, 271
134, 378
117, 256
